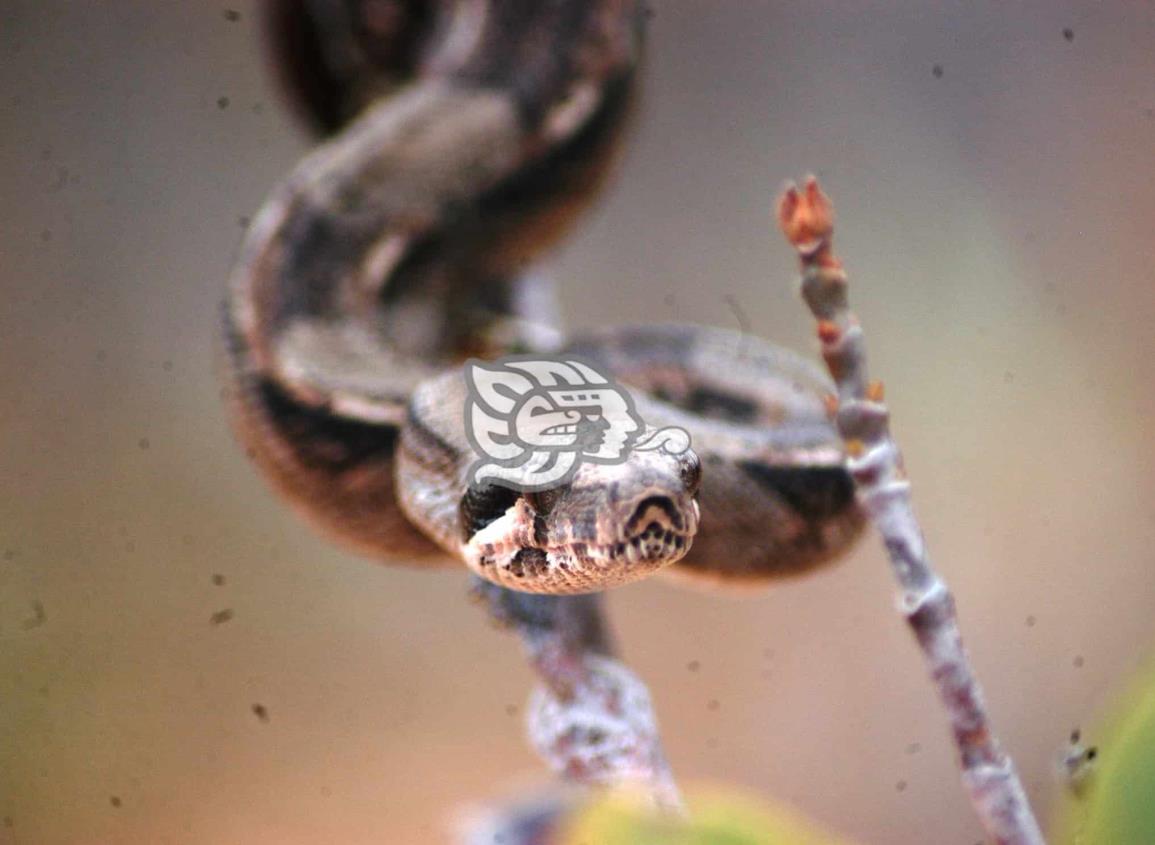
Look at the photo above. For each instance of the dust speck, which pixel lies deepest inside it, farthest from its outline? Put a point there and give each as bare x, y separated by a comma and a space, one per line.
39, 617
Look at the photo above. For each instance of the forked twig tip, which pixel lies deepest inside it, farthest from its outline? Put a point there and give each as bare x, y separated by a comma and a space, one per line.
806, 216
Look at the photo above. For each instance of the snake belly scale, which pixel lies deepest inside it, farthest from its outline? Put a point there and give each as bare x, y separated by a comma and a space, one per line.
398, 248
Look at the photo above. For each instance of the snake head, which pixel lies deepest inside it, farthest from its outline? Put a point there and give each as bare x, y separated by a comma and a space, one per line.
611, 524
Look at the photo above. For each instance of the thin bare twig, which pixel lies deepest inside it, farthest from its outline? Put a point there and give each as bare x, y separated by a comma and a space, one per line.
591, 718
988, 773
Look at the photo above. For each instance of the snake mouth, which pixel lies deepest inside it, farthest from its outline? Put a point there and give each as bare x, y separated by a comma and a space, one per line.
654, 545
614, 544
658, 532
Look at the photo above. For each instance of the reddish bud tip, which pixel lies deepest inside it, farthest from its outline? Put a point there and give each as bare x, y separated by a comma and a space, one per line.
828, 331
806, 217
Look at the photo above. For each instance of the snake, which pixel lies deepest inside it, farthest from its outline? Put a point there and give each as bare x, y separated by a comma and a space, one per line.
461, 140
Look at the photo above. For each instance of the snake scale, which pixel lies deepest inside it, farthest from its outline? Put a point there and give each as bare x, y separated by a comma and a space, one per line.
465, 137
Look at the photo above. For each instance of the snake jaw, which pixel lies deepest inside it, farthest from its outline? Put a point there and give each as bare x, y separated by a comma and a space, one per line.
611, 526
576, 568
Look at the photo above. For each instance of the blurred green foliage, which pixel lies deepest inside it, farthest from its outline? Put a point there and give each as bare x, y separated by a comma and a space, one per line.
1114, 804
717, 817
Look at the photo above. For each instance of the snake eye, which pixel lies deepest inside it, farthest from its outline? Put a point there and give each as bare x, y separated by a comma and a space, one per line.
543, 501
692, 474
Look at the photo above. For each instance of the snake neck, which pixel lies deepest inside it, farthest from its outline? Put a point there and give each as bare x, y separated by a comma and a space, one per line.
332, 58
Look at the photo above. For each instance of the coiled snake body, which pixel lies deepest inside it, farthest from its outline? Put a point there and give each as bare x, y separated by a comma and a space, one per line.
398, 248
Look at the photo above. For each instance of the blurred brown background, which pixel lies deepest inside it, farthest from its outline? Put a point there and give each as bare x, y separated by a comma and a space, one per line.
996, 215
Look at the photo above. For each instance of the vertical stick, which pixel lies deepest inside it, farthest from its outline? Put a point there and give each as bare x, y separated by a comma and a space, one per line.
591, 719
988, 773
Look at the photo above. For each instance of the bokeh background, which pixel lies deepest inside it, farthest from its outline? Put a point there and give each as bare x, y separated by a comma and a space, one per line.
994, 172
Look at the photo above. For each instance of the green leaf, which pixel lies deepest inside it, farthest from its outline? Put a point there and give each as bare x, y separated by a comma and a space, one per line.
1114, 804
716, 818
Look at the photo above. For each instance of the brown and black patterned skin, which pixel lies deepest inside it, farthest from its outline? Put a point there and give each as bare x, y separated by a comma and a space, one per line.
468, 134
